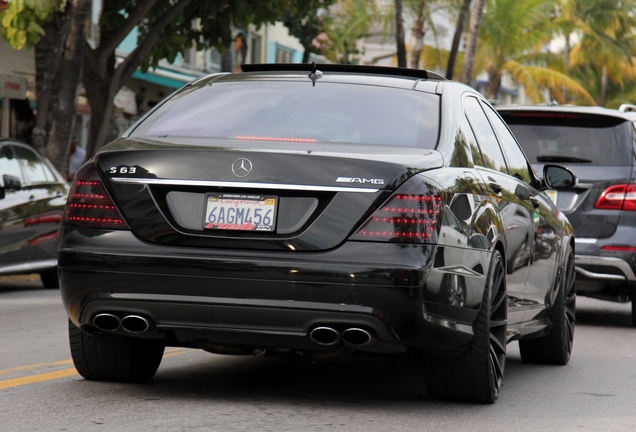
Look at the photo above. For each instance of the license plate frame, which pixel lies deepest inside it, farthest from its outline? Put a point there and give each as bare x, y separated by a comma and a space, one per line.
240, 212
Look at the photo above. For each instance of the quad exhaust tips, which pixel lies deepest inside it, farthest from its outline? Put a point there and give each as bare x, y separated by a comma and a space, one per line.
129, 323
353, 337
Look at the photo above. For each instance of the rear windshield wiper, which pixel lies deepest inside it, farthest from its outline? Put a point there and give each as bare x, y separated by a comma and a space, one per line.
562, 159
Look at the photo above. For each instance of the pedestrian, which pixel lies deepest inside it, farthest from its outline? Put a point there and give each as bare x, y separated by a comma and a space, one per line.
77, 155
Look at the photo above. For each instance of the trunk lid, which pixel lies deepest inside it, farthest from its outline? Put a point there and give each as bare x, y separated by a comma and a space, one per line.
311, 200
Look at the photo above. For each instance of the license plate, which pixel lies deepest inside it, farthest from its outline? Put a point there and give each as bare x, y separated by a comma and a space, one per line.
240, 212
552, 194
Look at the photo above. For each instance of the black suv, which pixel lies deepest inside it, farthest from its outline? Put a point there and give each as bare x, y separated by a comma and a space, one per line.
597, 144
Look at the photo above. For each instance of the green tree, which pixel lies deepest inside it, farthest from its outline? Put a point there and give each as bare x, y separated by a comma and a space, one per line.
462, 16
165, 29
306, 22
399, 34
350, 21
606, 29
55, 29
421, 13
474, 25
512, 37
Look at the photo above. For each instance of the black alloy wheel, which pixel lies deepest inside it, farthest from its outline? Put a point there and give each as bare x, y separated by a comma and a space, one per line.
555, 348
477, 374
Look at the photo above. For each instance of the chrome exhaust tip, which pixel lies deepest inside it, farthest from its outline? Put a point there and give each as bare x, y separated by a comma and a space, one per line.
356, 337
325, 336
106, 322
135, 324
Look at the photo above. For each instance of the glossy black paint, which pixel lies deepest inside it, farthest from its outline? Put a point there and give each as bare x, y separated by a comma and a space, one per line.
231, 291
32, 199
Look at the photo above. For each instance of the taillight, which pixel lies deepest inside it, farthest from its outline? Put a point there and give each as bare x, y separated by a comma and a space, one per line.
89, 205
405, 218
619, 248
618, 197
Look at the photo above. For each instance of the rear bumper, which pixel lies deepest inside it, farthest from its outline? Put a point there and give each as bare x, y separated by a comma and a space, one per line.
604, 274
274, 300
614, 269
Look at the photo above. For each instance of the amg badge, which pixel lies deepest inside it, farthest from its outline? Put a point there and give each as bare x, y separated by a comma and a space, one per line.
360, 180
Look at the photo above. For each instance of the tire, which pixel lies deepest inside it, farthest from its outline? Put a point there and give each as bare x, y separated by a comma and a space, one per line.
109, 357
555, 348
49, 279
477, 374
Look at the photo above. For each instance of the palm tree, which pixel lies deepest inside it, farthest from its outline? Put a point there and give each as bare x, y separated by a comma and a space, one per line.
419, 9
471, 44
511, 40
606, 41
350, 21
399, 34
459, 31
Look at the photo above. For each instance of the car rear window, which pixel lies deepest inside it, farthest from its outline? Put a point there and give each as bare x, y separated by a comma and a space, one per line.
572, 137
299, 112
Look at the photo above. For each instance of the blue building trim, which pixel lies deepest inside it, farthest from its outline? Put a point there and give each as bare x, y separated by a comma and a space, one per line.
162, 80
271, 52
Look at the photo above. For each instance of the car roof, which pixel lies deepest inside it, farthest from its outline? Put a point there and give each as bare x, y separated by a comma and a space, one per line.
595, 110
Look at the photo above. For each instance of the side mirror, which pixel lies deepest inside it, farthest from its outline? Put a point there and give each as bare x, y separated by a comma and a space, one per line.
558, 177
9, 182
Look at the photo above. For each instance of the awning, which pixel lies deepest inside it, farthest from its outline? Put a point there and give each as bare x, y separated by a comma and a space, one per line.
165, 77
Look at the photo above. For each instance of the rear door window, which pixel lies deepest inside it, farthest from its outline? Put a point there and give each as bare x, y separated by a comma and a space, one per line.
492, 156
517, 162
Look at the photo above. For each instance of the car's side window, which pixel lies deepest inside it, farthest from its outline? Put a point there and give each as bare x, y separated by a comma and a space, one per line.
486, 139
8, 163
35, 170
517, 162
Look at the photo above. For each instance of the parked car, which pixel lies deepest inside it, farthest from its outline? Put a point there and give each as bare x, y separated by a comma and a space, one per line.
302, 210
32, 199
597, 144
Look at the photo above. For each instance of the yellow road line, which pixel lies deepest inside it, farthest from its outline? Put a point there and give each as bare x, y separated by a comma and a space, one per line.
15, 382
35, 366
62, 373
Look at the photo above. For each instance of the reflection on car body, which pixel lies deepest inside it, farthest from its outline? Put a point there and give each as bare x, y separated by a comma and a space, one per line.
385, 229
32, 199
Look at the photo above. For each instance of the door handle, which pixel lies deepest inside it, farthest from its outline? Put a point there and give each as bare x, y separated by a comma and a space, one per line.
496, 187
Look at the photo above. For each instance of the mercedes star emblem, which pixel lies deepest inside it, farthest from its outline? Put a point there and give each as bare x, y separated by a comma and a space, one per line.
242, 167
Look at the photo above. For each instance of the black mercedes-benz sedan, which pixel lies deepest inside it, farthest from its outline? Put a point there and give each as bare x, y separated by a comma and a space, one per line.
319, 212
32, 198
